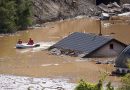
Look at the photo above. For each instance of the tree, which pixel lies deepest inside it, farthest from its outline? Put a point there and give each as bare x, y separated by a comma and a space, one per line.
7, 16
24, 13
15, 15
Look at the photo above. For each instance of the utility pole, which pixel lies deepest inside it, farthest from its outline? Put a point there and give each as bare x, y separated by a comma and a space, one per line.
100, 27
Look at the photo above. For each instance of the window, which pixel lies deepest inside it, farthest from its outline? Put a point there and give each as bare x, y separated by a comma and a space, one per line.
111, 46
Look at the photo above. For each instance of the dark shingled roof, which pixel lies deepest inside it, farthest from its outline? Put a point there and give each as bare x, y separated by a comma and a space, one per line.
86, 43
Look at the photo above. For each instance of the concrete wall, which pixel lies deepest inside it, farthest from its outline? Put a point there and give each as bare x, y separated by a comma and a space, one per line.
105, 51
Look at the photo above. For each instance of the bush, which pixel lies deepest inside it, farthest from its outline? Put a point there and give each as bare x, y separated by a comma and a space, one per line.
86, 86
109, 87
99, 86
125, 82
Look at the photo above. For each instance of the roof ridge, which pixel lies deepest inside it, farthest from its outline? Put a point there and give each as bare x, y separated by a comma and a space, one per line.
94, 34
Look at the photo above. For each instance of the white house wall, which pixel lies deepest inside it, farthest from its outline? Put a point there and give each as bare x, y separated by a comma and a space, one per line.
105, 51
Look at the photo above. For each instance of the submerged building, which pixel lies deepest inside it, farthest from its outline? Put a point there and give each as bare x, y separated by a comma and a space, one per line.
89, 45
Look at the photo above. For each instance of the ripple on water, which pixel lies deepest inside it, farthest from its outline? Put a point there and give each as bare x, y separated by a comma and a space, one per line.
43, 46
47, 65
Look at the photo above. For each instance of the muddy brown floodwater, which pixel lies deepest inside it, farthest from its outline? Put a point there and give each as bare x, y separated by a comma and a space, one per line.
37, 62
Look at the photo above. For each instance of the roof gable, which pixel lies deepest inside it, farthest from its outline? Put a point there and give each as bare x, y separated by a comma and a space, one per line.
106, 44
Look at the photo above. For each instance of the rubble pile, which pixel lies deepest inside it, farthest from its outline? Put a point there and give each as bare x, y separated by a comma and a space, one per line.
126, 7
69, 52
115, 9
52, 10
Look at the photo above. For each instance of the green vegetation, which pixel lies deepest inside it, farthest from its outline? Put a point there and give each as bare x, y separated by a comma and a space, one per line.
89, 86
109, 86
23, 13
125, 82
128, 63
14, 15
99, 86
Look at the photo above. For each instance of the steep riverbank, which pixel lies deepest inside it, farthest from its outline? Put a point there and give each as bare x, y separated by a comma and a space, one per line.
52, 10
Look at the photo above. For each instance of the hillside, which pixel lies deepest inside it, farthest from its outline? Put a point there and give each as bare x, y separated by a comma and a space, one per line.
49, 10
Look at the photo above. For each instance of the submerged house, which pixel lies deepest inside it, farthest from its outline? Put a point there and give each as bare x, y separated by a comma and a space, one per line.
123, 61
88, 45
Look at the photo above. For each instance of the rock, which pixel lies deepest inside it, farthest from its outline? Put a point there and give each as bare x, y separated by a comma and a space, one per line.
110, 8
98, 62
124, 14
105, 16
126, 7
50, 10
55, 51
104, 7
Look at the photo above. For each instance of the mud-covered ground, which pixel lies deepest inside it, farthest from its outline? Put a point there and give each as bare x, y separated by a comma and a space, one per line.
10, 82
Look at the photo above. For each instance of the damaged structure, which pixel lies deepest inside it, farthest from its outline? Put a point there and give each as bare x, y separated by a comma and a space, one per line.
88, 45
123, 61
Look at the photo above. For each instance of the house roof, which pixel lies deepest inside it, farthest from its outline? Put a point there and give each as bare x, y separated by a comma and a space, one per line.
86, 43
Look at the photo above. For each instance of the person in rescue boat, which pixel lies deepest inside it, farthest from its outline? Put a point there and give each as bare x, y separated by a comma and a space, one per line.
19, 41
30, 42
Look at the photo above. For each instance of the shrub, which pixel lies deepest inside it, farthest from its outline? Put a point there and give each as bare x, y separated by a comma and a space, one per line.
85, 86
109, 86
88, 86
125, 82
99, 86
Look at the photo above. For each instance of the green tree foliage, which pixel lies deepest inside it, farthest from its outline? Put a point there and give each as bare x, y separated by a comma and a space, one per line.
24, 8
14, 15
7, 16
88, 86
125, 82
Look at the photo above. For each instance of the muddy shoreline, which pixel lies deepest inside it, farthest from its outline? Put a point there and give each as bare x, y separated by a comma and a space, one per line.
23, 83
